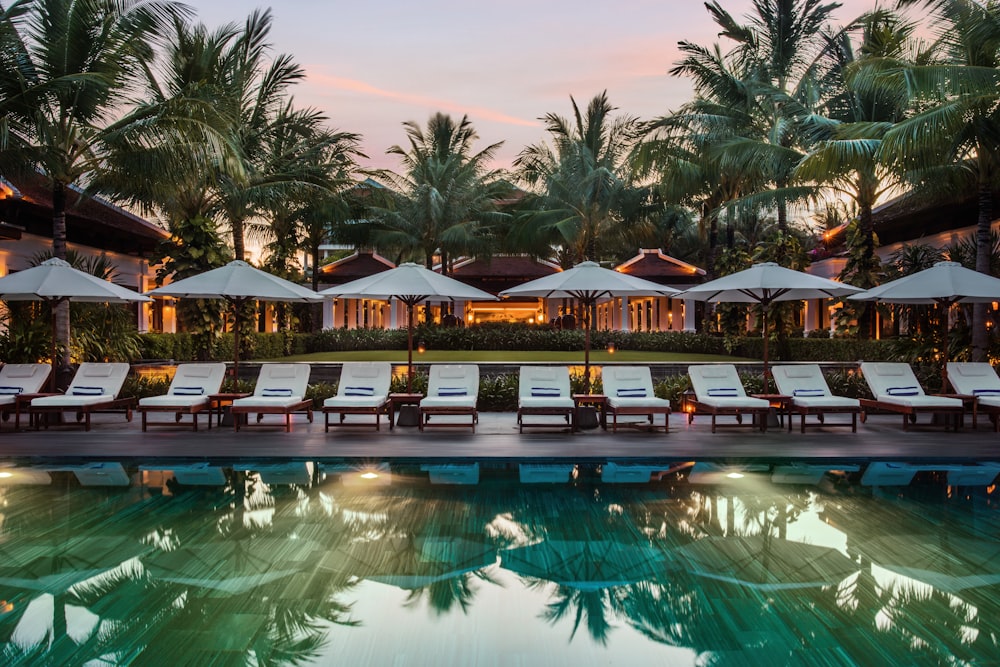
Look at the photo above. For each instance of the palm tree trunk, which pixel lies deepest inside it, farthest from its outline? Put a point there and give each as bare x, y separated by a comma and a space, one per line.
866, 228
60, 308
980, 336
317, 308
239, 245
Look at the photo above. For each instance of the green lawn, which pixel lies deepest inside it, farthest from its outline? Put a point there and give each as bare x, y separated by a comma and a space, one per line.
596, 356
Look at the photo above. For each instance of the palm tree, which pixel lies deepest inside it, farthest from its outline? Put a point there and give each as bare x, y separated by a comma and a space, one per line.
66, 72
853, 119
955, 136
444, 201
584, 183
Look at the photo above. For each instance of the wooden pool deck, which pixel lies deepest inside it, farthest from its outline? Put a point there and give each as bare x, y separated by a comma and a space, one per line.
497, 437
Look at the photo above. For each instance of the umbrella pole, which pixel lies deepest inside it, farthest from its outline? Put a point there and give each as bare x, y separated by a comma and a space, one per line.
237, 305
586, 348
764, 306
945, 306
409, 348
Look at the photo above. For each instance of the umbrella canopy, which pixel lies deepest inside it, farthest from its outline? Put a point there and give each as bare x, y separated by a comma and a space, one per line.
55, 564
55, 280
587, 282
764, 284
410, 563
946, 563
766, 563
238, 283
586, 564
944, 284
411, 284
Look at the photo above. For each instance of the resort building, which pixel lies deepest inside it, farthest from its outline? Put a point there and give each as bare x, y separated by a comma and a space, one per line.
94, 228
499, 273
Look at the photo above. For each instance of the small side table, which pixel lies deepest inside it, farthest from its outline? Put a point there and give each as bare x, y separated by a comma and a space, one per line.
216, 402
400, 399
597, 401
781, 404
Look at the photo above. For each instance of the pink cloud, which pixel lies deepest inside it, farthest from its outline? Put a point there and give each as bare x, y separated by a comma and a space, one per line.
475, 112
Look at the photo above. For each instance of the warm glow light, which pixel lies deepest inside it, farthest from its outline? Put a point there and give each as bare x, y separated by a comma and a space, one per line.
421, 347
611, 347
369, 475
735, 475
5, 475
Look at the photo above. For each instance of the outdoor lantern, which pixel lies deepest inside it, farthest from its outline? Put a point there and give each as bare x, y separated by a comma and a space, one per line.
421, 347
611, 347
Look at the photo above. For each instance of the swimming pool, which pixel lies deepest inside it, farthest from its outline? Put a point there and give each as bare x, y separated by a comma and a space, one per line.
468, 562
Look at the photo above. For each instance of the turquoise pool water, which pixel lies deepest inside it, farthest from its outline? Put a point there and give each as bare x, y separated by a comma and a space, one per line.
399, 562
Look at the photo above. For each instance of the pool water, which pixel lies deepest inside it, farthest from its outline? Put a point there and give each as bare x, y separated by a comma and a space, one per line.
499, 563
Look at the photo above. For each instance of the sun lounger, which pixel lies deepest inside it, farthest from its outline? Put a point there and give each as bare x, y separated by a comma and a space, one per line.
187, 394
363, 390
17, 383
719, 392
896, 389
544, 390
629, 390
280, 390
980, 381
452, 390
811, 395
95, 388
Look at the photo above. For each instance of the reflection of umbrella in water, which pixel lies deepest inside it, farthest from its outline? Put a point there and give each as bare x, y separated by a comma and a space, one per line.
949, 564
586, 564
766, 563
231, 566
54, 566
410, 563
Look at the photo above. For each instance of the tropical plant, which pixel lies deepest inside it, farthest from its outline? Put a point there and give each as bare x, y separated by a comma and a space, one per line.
445, 200
954, 136
67, 69
584, 189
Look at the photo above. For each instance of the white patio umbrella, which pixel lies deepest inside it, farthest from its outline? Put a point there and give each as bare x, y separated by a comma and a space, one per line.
764, 284
53, 281
588, 282
411, 284
238, 283
944, 284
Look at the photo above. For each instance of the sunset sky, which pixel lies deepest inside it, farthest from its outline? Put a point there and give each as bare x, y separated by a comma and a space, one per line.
373, 65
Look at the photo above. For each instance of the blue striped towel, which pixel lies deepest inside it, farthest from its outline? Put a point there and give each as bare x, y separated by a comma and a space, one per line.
975, 392
546, 392
88, 391
723, 392
273, 393
903, 391
453, 391
809, 392
11, 390
189, 391
359, 391
638, 392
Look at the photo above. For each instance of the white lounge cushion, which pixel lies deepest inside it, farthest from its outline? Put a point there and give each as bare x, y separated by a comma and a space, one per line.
448, 402
738, 402
355, 401
172, 400
541, 403
70, 401
644, 402
267, 401
921, 401
826, 402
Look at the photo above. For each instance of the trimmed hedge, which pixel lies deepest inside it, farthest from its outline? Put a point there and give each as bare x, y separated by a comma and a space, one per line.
181, 346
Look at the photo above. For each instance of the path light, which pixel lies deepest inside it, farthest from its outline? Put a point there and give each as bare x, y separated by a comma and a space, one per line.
611, 347
421, 347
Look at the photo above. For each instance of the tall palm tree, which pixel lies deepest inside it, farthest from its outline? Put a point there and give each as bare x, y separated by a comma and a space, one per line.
583, 183
67, 69
955, 136
849, 126
444, 200
777, 45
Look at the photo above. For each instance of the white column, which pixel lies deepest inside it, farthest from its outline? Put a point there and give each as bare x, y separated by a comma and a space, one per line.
689, 316
624, 325
460, 309
328, 313
810, 315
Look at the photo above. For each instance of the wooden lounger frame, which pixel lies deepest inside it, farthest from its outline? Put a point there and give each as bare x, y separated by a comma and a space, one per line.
910, 412
83, 412
261, 410
385, 408
758, 415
